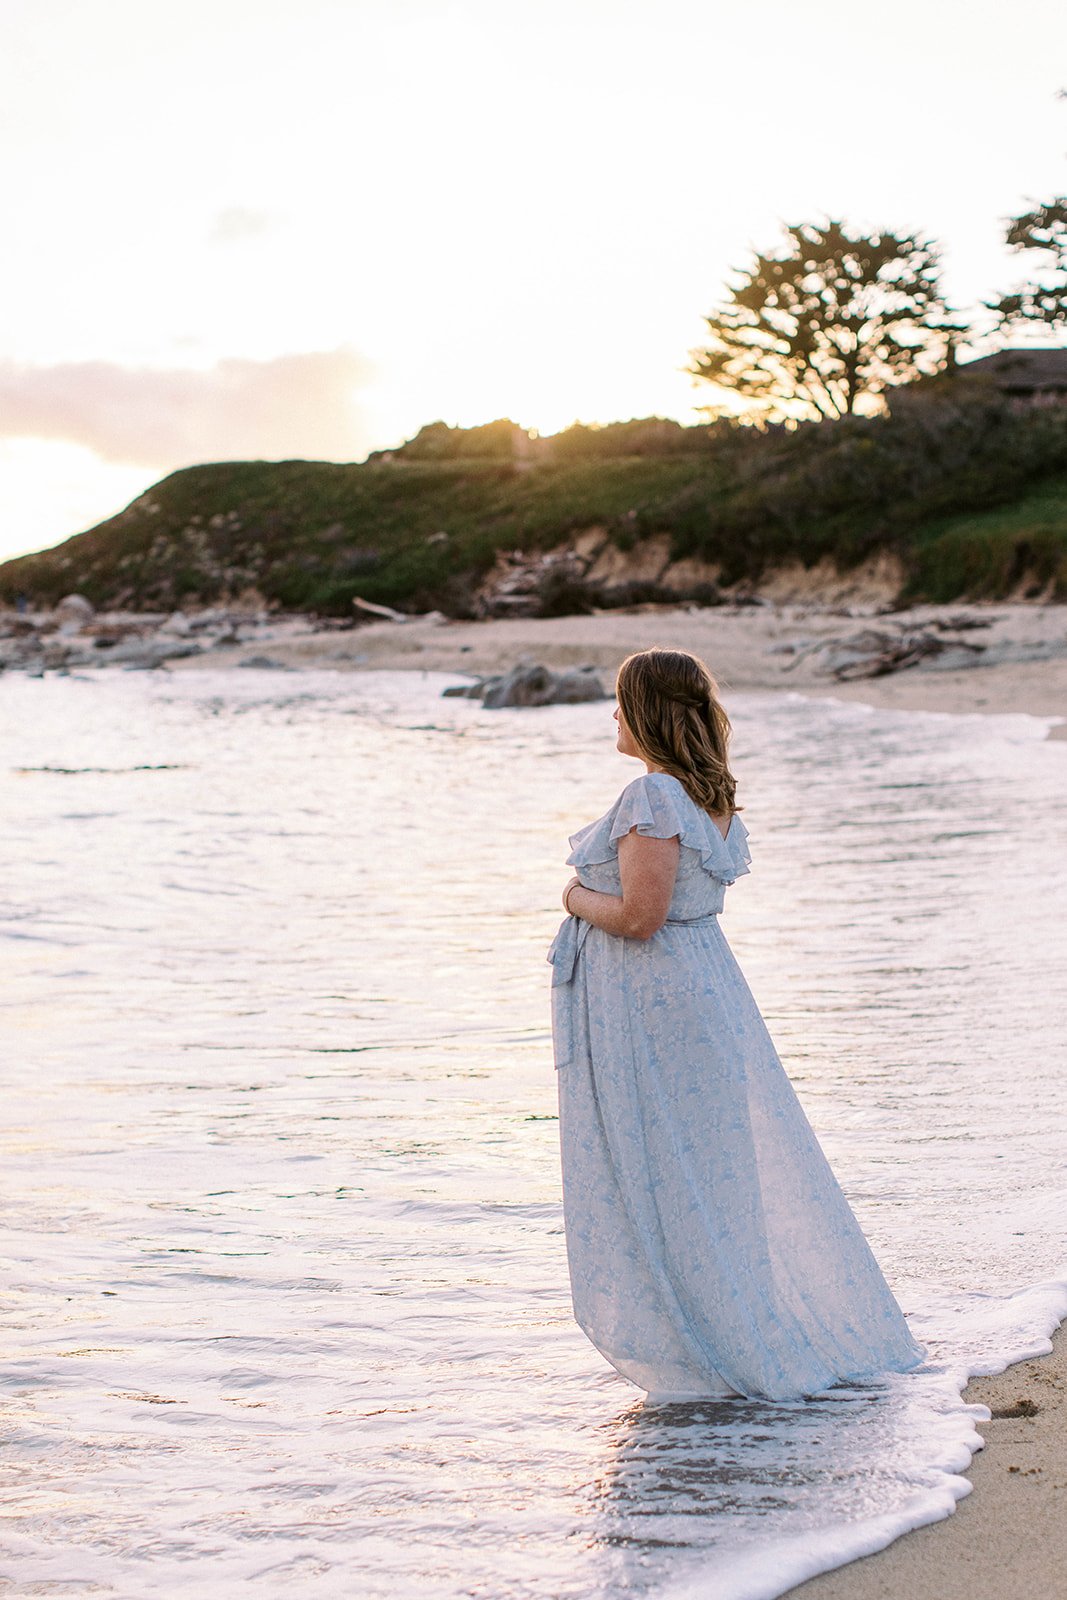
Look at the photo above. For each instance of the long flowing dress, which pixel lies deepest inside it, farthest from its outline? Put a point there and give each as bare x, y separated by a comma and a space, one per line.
711, 1249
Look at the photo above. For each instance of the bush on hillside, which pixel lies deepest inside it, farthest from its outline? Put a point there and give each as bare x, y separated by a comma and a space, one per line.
421, 532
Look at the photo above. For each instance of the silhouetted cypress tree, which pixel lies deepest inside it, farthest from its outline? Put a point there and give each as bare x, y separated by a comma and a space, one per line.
824, 326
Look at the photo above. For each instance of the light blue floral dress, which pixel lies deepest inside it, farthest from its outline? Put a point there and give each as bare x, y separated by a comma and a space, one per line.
711, 1249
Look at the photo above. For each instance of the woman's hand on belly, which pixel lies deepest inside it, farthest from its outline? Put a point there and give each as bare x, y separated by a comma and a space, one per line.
647, 870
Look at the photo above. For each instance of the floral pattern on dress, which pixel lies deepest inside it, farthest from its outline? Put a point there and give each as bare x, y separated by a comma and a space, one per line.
711, 1249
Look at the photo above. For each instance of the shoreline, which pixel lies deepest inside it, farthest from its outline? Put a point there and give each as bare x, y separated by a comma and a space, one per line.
962, 659
1007, 1539
1006, 658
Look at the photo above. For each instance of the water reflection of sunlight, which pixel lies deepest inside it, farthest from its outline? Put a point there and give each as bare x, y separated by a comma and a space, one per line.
679, 1480
341, 1074
670, 1463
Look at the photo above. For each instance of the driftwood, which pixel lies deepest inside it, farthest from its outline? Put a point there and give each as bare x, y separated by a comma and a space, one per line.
387, 614
376, 610
874, 652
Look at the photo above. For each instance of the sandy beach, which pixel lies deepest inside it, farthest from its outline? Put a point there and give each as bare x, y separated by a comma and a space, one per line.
1018, 651
1007, 1539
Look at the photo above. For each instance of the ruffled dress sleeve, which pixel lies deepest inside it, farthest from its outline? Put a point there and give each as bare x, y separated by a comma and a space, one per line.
659, 808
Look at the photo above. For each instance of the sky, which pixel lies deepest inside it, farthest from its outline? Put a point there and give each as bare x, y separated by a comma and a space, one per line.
282, 228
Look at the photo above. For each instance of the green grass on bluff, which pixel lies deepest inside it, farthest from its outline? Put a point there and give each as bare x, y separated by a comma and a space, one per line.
970, 493
988, 554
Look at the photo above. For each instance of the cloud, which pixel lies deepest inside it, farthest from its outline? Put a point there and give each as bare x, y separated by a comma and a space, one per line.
294, 406
237, 223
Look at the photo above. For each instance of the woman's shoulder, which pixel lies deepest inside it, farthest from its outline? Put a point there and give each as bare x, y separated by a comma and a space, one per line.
658, 806
652, 800
657, 783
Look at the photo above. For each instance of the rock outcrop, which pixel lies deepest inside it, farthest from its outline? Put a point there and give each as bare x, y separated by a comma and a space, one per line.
530, 685
73, 635
590, 572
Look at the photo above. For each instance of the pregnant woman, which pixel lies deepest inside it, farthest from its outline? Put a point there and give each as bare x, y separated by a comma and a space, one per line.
711, 1250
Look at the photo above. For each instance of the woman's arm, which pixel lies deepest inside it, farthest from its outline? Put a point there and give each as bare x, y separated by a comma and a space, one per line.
647, 868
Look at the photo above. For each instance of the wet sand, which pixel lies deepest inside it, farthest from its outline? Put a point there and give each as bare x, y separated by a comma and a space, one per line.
1008, 1539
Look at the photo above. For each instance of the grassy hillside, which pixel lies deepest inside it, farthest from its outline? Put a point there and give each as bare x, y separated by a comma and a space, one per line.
311, 534
987, 554
971, 494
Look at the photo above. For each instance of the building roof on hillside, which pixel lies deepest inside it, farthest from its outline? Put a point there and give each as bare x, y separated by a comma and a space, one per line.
1021, 369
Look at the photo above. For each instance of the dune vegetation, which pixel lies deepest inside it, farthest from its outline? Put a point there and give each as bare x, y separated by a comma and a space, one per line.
968, 491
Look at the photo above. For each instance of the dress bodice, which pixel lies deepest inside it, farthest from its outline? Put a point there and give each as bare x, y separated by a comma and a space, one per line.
659, 807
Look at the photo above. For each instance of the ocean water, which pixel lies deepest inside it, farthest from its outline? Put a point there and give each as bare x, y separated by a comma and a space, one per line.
285, 1285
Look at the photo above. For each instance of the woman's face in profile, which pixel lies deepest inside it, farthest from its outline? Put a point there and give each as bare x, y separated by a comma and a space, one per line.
625, 741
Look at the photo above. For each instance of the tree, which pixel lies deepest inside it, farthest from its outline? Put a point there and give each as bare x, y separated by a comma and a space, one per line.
822, 328
1044, 299
1043, 230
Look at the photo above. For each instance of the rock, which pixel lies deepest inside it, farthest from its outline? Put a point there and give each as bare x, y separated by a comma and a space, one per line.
177, 624
149, 653
590, 571
265, 663
212, 617
531, 584
14, 626
467, 691
961, 621
644, 563
527, 685
56, 654
75, 608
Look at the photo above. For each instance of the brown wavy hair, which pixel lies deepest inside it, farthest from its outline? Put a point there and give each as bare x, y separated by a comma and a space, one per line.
670, 703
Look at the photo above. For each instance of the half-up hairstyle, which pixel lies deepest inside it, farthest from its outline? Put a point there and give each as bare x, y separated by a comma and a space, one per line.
670, 703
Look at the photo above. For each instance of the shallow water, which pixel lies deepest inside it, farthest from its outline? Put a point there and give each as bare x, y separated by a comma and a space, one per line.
288, 1293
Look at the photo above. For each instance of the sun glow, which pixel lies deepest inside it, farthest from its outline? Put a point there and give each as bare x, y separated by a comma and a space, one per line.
487, 210
79, 490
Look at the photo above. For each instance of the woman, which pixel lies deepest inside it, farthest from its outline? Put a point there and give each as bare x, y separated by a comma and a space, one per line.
711, 1250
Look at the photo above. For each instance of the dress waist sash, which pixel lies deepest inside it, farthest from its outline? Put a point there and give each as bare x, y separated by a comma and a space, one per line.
566, 947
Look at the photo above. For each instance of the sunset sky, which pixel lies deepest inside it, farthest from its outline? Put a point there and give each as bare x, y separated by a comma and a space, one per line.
263, 228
